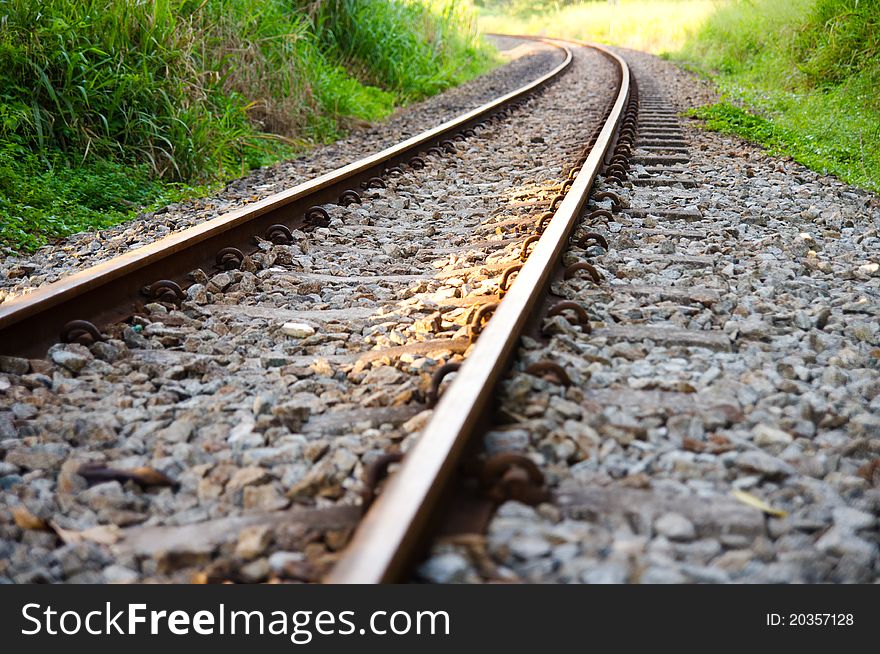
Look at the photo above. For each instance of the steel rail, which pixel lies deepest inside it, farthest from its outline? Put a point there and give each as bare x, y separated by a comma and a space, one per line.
110, 291
393, 528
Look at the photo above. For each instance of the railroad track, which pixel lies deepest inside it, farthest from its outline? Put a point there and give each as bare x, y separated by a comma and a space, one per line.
508, 359
396, 525
657, 423
367, 296
110, 292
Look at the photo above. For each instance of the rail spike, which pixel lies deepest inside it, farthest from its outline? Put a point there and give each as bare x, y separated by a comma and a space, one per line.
591, 238
582, 265
546, 369
166, 290
77, 330
229, 258
531, 240
279, 234
481, 316
513, 476
543, 221
568, 305
505, 283
317, 217
616, 202
437, 379
374, 473
373, 182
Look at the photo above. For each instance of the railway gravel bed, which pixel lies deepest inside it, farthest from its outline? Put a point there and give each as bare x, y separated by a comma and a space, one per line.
227, 439
18, 274
723, 424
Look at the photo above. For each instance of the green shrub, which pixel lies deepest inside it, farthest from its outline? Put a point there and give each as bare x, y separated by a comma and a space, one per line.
194, 91
413, 48
841, 39
188, 88
799, 76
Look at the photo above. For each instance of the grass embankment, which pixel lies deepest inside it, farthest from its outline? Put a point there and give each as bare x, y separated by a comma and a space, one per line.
650, 25
801, 77
110, 106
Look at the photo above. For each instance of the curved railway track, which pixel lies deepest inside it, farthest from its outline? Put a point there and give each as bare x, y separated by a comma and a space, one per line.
398, 278
113, 291
701, 409
535, 343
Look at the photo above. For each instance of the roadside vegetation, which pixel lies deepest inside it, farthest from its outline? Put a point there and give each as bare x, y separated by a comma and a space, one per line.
801, 77
108, 107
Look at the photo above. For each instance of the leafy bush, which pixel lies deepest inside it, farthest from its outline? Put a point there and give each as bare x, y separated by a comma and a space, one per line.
198, 90
841, 39
186, 87
403, 46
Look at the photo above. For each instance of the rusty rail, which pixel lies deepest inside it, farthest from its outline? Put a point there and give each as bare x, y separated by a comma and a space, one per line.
396, 524
110, 292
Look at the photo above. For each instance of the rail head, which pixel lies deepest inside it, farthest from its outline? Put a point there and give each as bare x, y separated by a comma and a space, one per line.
384, 541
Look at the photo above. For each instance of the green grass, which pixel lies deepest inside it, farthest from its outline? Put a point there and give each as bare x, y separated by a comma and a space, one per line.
58, 199
107, 106
800, 77
731, 119
403, 47
650, 25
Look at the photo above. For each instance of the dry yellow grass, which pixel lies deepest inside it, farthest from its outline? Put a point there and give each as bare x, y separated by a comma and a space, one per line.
651, 25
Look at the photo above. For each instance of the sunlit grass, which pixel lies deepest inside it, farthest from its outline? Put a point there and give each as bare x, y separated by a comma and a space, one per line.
653, 26
799, 77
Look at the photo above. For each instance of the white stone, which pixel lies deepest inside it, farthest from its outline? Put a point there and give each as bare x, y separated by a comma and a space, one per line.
852, 519
675, 527
447, 568
528, 547
297, 329
766, 435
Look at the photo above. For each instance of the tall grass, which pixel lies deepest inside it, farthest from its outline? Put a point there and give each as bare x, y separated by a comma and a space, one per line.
199, 90
808, 69
389, 47
186, 87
